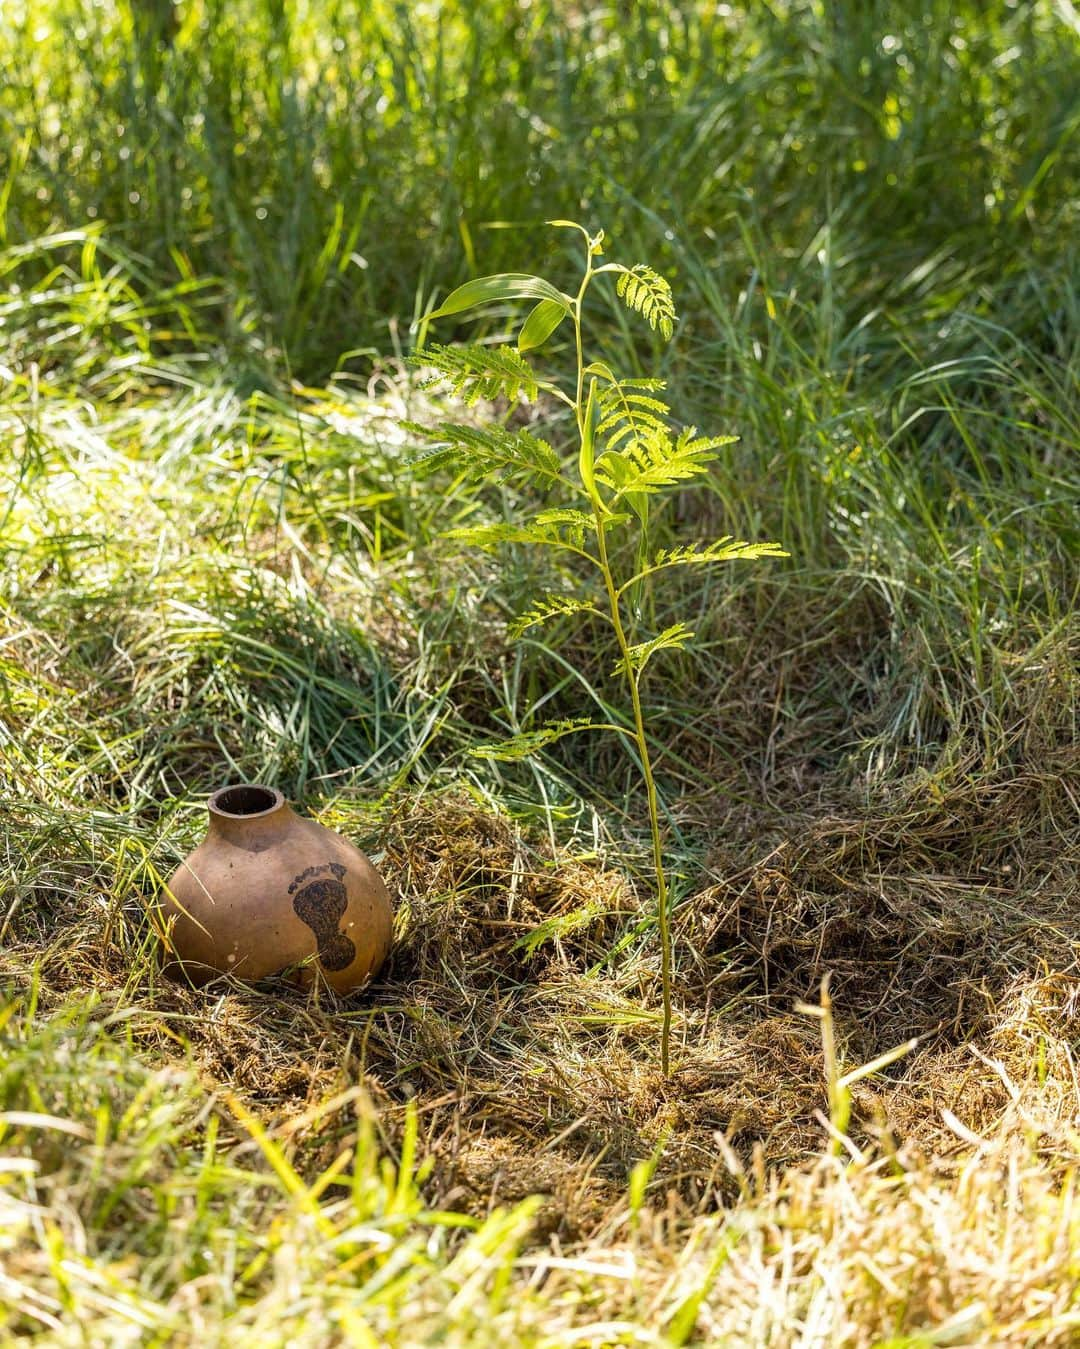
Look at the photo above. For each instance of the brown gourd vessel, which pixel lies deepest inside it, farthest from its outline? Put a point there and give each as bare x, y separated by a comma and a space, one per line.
268, 890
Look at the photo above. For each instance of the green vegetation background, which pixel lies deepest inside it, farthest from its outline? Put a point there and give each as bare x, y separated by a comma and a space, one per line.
217, 223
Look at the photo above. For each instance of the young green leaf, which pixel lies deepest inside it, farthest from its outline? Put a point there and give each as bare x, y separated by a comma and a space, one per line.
482, 451
561, 925
605, 371
674, 637
553, 528
548, 607
477, 372
649, 294
525, 743
588, 444
650, 464
541, 323
629, 412
491, 289
727, 549
568, 225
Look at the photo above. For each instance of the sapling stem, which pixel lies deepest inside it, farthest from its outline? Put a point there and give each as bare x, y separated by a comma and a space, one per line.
613, 592
627, 454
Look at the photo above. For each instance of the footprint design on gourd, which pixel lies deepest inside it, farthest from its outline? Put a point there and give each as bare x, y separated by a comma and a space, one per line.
321, 904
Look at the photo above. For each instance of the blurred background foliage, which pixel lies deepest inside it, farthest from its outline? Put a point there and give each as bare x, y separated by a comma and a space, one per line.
335, 162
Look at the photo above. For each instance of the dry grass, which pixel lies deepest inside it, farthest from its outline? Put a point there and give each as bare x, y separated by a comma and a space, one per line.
209, 572
525, 1059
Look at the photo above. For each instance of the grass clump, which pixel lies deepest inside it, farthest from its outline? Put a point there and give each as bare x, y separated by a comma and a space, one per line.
218, 565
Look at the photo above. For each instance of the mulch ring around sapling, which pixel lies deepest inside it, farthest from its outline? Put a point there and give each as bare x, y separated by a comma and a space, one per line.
531, 1058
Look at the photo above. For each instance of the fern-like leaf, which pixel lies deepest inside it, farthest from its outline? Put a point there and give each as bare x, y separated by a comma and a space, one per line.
561, 925
475, 372
649, 294
560, 528
489, 451
650, 463
546, 608
674, 637
629, 412
525, 743
727, 549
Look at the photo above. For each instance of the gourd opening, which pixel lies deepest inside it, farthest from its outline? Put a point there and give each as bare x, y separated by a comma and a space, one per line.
245, 801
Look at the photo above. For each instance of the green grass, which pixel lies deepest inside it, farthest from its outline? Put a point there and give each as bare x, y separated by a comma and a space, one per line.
337, 164
217, 562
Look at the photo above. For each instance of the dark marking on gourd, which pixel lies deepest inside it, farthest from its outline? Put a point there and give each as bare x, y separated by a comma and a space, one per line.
334, 868
321, 904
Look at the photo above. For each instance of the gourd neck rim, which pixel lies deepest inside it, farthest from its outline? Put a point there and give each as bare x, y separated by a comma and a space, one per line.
244, 801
